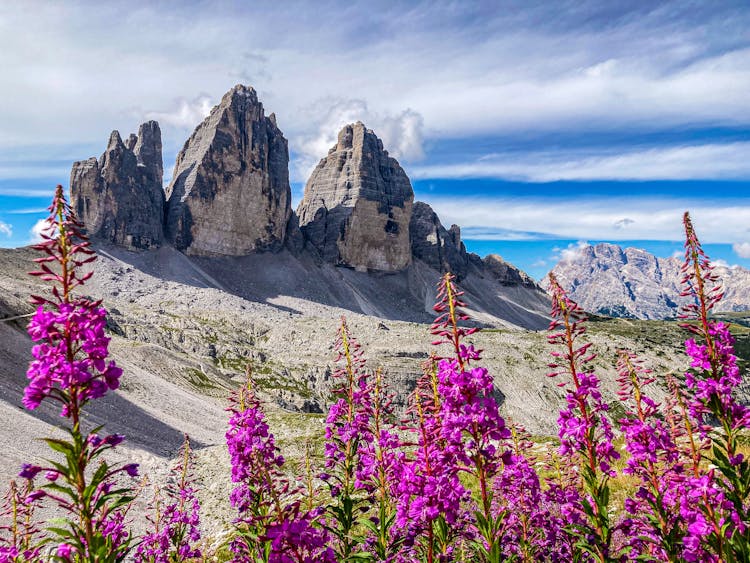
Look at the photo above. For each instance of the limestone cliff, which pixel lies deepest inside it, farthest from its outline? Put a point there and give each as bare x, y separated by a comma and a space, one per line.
119, 197
357, 205
435, 245
230, 194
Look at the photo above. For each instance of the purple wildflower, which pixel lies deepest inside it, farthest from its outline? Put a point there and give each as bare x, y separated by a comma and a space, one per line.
584, 429
269, 509
176, 528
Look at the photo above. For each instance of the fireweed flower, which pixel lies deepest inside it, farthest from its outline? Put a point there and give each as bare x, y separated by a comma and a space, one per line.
459, 430
70, 367
655, 526
584, 429
722, 496
349, 440
19, 538
529, 531
271, 527
378, 475
176, 527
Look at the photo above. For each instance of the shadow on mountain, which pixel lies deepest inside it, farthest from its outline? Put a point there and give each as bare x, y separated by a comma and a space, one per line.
282, 277
115, 410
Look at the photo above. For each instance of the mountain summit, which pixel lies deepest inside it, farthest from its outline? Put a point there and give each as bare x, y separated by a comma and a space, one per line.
120, 197
230, 194
358, 204
633, 283
360, 241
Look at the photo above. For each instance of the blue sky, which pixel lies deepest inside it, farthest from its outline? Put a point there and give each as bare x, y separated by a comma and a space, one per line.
534, 125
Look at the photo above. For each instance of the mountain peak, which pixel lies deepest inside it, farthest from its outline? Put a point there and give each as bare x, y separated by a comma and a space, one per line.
230, 193
631, 282
357, 204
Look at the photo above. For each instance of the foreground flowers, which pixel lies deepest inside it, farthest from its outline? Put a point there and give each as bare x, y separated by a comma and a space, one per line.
71, 368
454, 481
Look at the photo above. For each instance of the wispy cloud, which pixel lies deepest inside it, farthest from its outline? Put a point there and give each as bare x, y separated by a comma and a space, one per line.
402, 133
41, 226
6, 229
185, 114
596, 218
21, 191
709, 161
570, 253
497, 233
27, 210
742, 249
33, 170
466, 69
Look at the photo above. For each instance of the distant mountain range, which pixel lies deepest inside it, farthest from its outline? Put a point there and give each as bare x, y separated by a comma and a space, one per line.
632, 283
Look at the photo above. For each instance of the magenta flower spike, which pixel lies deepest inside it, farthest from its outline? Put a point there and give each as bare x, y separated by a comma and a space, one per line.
71, 367
271, 525
722, 495
584, 429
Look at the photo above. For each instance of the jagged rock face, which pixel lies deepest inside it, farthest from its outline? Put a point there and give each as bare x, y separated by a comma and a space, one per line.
230, 192
506, 273
357, 205
439, 248
633, 283
120, 197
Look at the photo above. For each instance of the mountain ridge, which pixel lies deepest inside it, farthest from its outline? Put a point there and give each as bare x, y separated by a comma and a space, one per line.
633, 283
229, 197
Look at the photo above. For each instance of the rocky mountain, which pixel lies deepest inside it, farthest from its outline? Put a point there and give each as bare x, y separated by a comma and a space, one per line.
120, 197
230, 194
609, 280
230, 197
357, 205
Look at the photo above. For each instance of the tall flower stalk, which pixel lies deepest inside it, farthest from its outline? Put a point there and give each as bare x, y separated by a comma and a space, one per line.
349, 438
655, 528
471, 423
584, 429
272, 526
381, 461
19, 538
429, 493
176, 526
71, 368
711, 381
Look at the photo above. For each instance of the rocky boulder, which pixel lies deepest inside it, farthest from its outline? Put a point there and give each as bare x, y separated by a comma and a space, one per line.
230, 194
357, 205
439, 248
120, 197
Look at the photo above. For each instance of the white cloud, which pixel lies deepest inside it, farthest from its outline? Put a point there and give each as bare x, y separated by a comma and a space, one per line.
710, 161
186, 114
571, 253
28, 211
41, 226
720, 263
401, 133
32, 170
742, 249
466, 70
595, 218
6, 229
623, 223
